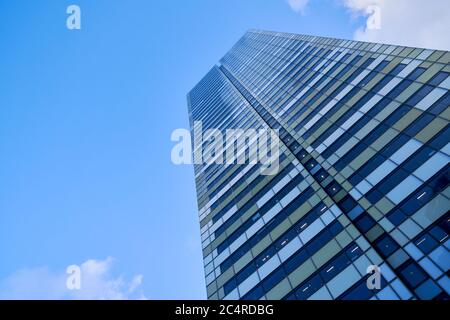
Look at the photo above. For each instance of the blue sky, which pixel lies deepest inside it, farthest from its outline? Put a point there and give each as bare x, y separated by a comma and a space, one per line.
85, 124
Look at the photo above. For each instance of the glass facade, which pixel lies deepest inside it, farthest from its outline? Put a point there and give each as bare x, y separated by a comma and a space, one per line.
363, 177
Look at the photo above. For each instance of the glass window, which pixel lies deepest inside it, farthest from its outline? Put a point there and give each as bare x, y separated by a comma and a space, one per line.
273, 279
397, 217
309, 288
404, 189
296, 260
406, 151
386, 245
431, 166
365, 222
255, 294
426, 243
382, 171
438, 78
335, 267
431, 98
413, 274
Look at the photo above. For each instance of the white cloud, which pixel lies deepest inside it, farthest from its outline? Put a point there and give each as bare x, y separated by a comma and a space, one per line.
416, 23
97, 283
298, 5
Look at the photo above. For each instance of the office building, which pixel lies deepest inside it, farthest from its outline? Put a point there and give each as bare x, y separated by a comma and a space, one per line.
363, 178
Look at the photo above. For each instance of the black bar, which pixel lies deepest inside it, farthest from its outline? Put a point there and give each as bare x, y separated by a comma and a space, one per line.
163, 310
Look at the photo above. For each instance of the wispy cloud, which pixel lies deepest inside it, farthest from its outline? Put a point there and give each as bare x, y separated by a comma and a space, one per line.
298, 5
97, 283
405, 22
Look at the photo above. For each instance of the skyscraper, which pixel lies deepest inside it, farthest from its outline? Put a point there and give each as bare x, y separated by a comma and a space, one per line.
362, 189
